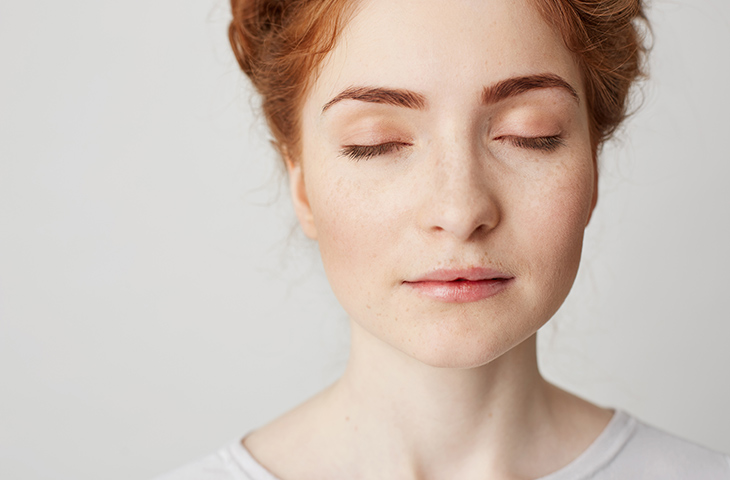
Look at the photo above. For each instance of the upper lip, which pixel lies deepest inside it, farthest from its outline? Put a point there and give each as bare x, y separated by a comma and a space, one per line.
469, 274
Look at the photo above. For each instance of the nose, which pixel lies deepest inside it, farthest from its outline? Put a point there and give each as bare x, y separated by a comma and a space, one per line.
461, 198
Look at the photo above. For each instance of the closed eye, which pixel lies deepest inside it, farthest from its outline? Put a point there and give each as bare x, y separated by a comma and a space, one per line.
365, 152
546, 144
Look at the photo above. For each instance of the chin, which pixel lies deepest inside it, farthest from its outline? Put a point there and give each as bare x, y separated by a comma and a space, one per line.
456, 361
463, 351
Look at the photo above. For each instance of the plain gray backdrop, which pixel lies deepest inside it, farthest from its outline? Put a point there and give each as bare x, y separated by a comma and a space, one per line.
157, 302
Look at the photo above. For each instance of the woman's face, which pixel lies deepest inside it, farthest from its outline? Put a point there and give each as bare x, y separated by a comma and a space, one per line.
447, 174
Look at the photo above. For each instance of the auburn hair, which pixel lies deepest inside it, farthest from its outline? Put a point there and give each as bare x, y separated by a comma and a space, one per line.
280, 45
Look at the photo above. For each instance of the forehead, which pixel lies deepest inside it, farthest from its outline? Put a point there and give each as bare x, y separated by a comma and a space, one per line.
445, 50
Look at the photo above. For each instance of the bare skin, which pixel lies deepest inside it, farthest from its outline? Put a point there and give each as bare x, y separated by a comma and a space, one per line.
467, 179
508, 425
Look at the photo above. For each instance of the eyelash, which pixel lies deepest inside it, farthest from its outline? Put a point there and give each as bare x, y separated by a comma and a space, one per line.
365, 152
545, 144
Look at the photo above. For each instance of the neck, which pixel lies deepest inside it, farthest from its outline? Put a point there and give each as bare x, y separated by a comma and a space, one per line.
440, 417
391, 416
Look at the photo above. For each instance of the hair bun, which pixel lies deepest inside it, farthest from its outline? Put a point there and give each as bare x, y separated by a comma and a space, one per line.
272, 13
254, 22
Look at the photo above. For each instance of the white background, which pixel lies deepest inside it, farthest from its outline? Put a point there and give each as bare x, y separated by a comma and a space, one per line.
155, 304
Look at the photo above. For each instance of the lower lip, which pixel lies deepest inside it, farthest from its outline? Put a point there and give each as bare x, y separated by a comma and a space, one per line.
463, 291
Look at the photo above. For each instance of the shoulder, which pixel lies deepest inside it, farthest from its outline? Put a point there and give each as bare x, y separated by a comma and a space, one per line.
629, 448
651, 453
231, 462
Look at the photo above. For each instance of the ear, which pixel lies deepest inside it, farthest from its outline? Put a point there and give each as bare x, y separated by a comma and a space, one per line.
594, 199
299, 197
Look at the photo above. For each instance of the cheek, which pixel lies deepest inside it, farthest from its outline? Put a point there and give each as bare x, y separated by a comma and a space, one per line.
353, 236
557, 215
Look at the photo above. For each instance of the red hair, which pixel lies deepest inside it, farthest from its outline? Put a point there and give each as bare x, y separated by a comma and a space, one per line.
606, 38
280, 45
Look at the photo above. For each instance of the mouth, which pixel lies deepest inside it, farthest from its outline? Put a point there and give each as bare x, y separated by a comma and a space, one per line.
461, 286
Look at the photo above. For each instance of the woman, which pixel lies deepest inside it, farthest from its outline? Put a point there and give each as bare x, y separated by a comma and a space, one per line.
444, 157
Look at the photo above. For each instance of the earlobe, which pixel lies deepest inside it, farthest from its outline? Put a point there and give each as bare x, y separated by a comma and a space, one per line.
299, 197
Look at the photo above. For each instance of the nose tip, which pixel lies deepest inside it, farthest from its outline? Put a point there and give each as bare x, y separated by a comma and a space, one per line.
462, 199
464, 214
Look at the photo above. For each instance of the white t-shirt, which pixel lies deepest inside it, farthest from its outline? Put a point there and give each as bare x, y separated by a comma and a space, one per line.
626, 450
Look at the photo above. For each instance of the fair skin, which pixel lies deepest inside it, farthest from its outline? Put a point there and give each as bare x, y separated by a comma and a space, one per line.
471, 175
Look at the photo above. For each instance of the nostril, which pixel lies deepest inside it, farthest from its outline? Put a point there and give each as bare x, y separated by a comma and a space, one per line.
464, 215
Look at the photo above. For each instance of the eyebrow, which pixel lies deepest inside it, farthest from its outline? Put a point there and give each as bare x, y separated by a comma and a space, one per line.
518, 85
387, 96
492, 94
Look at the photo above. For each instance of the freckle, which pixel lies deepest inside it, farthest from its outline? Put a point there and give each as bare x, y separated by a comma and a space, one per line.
347, 419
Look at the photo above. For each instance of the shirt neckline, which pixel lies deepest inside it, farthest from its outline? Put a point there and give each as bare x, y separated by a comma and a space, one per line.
599, 453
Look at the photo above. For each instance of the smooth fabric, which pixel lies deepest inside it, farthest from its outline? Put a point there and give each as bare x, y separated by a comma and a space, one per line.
626, 449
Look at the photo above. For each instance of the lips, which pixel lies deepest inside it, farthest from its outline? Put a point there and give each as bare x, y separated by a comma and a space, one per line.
462, 285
